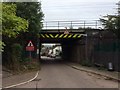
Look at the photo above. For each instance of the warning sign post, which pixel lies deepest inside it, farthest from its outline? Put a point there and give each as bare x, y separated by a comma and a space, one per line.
30, 48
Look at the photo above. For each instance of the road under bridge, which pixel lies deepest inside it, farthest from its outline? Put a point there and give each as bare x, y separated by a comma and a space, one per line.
74, 43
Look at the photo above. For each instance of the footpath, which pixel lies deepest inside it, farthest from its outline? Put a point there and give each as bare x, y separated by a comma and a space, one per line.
111, 75
9, 80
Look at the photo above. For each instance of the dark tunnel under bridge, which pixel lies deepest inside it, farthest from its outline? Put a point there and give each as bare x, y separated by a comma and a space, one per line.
73, 44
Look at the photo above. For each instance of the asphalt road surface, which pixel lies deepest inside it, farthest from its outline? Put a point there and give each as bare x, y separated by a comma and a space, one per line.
56, 74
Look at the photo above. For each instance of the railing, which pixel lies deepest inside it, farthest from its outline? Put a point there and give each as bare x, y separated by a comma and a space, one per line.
80, 24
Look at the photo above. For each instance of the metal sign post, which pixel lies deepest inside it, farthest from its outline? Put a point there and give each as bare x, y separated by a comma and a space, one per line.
30, 54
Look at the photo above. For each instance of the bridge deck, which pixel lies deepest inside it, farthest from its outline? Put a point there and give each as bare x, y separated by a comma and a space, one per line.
69, 30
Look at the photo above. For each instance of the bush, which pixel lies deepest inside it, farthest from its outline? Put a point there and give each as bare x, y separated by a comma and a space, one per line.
30, 65
26, 60
16, 56
86, 63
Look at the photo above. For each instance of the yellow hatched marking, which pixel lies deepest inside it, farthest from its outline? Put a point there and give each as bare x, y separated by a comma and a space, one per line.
70, 36
51, 35
75, 35
65, 35
61, 35
79, 36
56, 35
42, 35
47, 36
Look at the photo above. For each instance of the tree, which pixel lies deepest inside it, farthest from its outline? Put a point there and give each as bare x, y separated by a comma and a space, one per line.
112, 22
32, 12
12, 25
109, 22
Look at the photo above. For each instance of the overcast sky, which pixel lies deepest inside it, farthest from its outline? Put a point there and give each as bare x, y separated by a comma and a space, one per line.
77, 9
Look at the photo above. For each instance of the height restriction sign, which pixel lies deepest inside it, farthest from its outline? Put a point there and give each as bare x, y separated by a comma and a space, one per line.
30, 46
66, 31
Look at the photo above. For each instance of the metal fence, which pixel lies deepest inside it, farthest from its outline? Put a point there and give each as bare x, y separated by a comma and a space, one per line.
91, 24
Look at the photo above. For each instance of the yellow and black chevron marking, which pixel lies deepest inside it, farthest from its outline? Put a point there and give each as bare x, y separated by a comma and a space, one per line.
60, 36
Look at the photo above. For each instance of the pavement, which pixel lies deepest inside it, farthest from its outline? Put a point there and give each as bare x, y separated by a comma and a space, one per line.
9, 80
113, 75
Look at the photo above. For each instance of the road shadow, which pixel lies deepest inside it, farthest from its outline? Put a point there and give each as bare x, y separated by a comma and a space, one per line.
51, 61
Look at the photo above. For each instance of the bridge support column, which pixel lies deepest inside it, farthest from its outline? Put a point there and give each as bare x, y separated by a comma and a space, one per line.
78, 52
74, 51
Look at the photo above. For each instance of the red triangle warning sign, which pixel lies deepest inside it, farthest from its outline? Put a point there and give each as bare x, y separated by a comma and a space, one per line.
66, 31
30, 44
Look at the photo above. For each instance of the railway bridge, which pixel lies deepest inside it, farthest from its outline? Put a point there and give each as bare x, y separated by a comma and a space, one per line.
74, 37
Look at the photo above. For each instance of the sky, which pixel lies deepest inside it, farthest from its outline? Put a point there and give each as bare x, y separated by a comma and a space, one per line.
68, 10
57, 10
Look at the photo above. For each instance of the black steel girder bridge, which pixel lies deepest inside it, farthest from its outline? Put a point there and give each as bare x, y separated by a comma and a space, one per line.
72, 35
58, 31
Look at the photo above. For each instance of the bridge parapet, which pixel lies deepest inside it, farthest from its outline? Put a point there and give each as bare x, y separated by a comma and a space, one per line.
78, 24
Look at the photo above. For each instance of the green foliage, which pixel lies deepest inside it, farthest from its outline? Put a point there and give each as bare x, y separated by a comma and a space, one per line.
25, 60
101, 68
109, 22
86, 63
1, 46
17, 49
32, 12
29, 66
1, 43
21, 23
112, 23
16, 56
12, 25
0, 17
